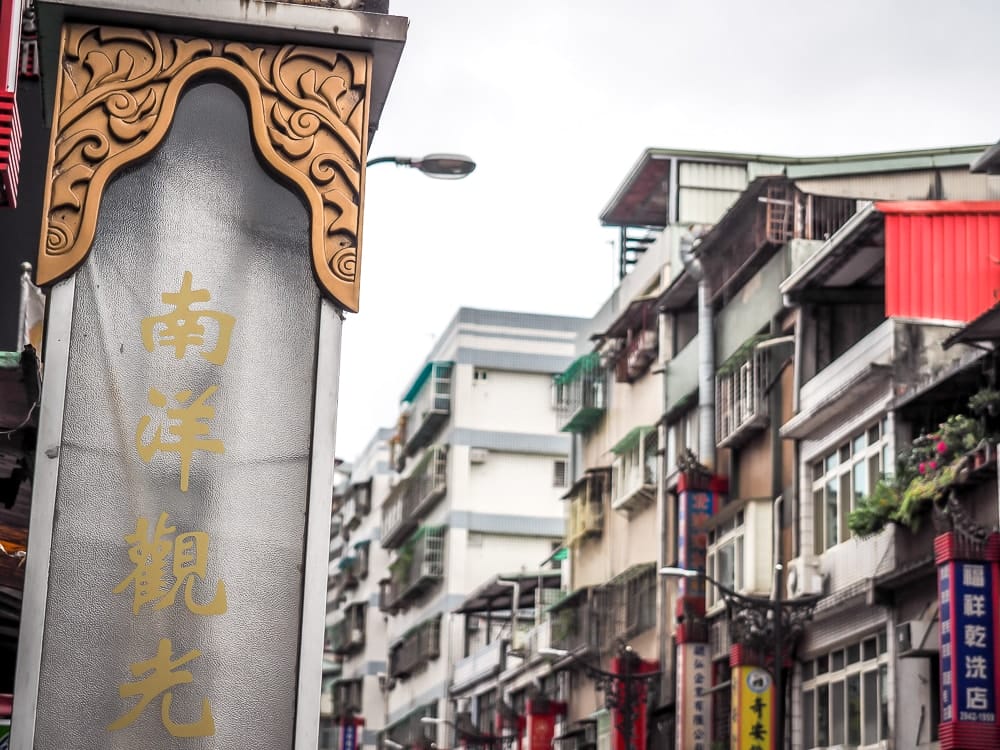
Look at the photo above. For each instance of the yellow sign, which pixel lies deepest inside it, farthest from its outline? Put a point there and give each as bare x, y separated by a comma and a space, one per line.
188, 427
752, 707
153, 551
187, 555
181, 328
160, 678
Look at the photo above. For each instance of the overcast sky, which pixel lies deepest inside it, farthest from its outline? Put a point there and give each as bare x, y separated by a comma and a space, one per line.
556, 100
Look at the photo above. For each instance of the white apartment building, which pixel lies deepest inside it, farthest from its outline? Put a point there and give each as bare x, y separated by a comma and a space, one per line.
356, 630
480, 472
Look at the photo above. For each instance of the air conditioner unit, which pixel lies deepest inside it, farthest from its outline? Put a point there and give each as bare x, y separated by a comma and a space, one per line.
804, 577
917, 638
478, 455
356, 635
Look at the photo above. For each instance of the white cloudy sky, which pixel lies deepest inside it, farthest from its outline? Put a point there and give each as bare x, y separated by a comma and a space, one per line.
556, 99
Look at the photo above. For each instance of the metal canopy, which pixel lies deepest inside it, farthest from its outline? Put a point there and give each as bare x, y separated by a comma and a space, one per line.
985, 328
497, 596
267, 22
862, 231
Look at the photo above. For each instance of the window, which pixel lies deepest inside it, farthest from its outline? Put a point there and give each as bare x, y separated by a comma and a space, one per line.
559, 473
682, 436
844, 696
725, 557
479, 374
486, 711
841, 478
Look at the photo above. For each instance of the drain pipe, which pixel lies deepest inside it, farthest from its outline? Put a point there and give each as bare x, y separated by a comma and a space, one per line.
706, 351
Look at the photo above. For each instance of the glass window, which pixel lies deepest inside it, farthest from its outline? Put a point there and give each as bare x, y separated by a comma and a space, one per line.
870, 711
847, 699
883, 698
837, 660
831, 514
837, 713
869, 649
844, 477
882, 643
808, 719
854, 653
823, 715
854, 709
821, 665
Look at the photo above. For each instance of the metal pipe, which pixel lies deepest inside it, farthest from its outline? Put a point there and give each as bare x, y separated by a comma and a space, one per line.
706, 352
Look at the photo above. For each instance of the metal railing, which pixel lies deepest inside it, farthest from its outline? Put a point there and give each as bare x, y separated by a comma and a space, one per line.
414, 496
418, 566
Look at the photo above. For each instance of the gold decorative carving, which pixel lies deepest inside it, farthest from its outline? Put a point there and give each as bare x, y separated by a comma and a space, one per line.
116, 97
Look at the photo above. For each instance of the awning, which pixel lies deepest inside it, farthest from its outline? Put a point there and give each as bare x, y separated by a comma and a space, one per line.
582, 364
496, 596
587, 475
638, 312
631, 440
984, 329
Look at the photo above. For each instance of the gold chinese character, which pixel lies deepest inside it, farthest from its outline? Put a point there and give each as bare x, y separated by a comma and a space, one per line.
160, 679
181, 328
150, 556
189, 430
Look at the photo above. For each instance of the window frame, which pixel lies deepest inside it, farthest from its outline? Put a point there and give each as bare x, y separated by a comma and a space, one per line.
834, 471
825, 680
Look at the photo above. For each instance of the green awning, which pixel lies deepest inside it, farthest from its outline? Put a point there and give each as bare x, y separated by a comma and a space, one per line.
421, 381
582, 364
630, 441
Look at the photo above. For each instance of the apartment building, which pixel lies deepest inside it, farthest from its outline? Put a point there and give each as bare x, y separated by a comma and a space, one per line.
704, 297
479, 471
356, 630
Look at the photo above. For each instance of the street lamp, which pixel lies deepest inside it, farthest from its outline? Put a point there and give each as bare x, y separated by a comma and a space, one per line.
438, 166
763, 625
621, 690
471, 737
392, 744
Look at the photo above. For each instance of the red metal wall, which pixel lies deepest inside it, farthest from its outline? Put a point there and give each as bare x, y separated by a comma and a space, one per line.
942, 258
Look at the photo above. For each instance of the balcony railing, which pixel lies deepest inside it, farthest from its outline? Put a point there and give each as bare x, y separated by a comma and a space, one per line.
414, 496
418, 566
586, 506
347, 637
427, 406
741, 397
634, 471
574, 622
486, 662
580, 394
419, 646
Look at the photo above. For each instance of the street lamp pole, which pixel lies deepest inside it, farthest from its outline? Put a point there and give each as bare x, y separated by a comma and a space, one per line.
760, 624
621, 690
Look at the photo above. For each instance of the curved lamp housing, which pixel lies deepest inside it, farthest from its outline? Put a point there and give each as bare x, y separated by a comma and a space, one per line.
439, 166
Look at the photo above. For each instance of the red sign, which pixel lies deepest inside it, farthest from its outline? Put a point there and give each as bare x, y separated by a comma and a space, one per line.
10, 125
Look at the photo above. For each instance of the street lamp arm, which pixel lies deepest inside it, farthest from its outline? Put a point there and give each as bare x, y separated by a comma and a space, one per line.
597, 671
403, 161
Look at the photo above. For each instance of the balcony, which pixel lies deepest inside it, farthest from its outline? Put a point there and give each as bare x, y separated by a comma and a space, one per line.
580, 394
414, 496
416, 649
574, 622
419, 565
426, 406
741, 396
586, 506
633, 477
848, 380
486, 662
346, 637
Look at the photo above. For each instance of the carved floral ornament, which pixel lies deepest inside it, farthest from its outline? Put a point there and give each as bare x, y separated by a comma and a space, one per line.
118, 91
